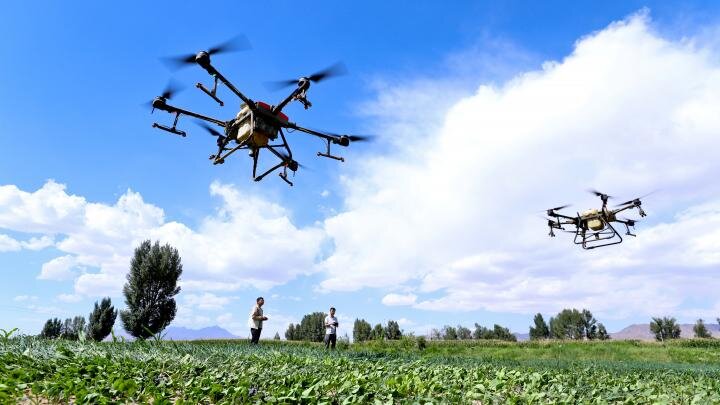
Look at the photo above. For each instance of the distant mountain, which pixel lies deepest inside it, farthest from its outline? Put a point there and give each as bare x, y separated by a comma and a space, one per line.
641, 331
522, 336
182, 333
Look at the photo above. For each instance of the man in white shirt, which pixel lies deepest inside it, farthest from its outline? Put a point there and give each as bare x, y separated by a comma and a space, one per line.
331, 324
255, 322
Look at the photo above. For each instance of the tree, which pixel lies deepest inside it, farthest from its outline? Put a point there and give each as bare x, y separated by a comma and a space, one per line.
277, 336
101, 320
700, 330
449, 333
602, 333
392, 331
150, 289
290, 333
463, 333
72, 327
311, 328
481, 332
589, 324
378, 332
540, 331
362, 330
665, 328
52, 329
435, 334
573, 324
502, 333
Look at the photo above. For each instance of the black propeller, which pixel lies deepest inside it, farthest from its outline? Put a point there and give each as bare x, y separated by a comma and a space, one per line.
338, 69
238, 43
211, 130
292, 164
630, 222
351, 138
559, 208
599, 194
636, 200
172, 88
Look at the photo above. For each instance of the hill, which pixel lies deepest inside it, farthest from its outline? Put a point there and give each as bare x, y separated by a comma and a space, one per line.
182, 333
641, 331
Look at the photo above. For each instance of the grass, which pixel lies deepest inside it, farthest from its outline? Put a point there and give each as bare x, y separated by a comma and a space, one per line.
295, 372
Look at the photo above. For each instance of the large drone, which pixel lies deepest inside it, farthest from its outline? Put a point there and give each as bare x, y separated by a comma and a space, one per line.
593, 228
257, 125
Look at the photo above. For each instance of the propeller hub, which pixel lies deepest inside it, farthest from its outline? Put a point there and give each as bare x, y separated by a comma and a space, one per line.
203, 59
292, 165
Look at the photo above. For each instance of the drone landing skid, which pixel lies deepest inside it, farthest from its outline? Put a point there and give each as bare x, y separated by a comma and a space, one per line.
591, 240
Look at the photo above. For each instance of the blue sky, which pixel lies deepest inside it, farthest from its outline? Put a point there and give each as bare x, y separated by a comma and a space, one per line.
75, 76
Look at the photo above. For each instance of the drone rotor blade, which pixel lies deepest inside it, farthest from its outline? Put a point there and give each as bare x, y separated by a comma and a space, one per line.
235, 44
338, 69
177, 62
172, 88
633, 200
599, 194
352, 138
560, 207
361, 138
238, 43
208, 128
280, 84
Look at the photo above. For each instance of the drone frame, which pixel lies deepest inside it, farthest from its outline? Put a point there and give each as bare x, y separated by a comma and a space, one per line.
270, 117
591, 239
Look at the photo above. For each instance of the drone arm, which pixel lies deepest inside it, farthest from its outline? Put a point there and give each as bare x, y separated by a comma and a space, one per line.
213, 72
285, 101
175, 110
333, 139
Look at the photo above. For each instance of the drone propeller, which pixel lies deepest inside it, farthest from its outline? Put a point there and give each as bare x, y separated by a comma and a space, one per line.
172, 88
636, 199
210, 129
351, 138
599, 194
291, 162
559, 208
630, 222
238, 43
338, 69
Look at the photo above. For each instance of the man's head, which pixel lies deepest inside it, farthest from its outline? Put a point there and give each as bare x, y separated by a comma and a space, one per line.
260, 301
332, 311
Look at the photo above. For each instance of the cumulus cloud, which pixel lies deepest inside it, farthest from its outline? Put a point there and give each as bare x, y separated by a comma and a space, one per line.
8, 244
247, 242
453, 214
399, 299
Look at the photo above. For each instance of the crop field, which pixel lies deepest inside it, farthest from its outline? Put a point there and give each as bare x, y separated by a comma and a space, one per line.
43, 371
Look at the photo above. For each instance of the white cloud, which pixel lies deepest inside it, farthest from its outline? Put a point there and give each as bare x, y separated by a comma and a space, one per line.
207, 301
8, 244
247, 242
399, 299
451, 209
59, 268
69, 298
25, 298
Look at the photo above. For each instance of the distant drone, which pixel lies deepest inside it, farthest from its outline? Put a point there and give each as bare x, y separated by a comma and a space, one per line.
593, 228
257, 124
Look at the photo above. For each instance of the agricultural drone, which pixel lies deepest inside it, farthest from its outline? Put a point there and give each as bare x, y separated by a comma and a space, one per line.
257, 125
593, 228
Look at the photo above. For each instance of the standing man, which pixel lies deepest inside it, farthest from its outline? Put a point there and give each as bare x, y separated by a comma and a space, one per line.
331, 324
255, 322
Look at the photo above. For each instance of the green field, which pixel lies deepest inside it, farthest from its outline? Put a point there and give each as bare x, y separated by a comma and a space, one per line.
38, 371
